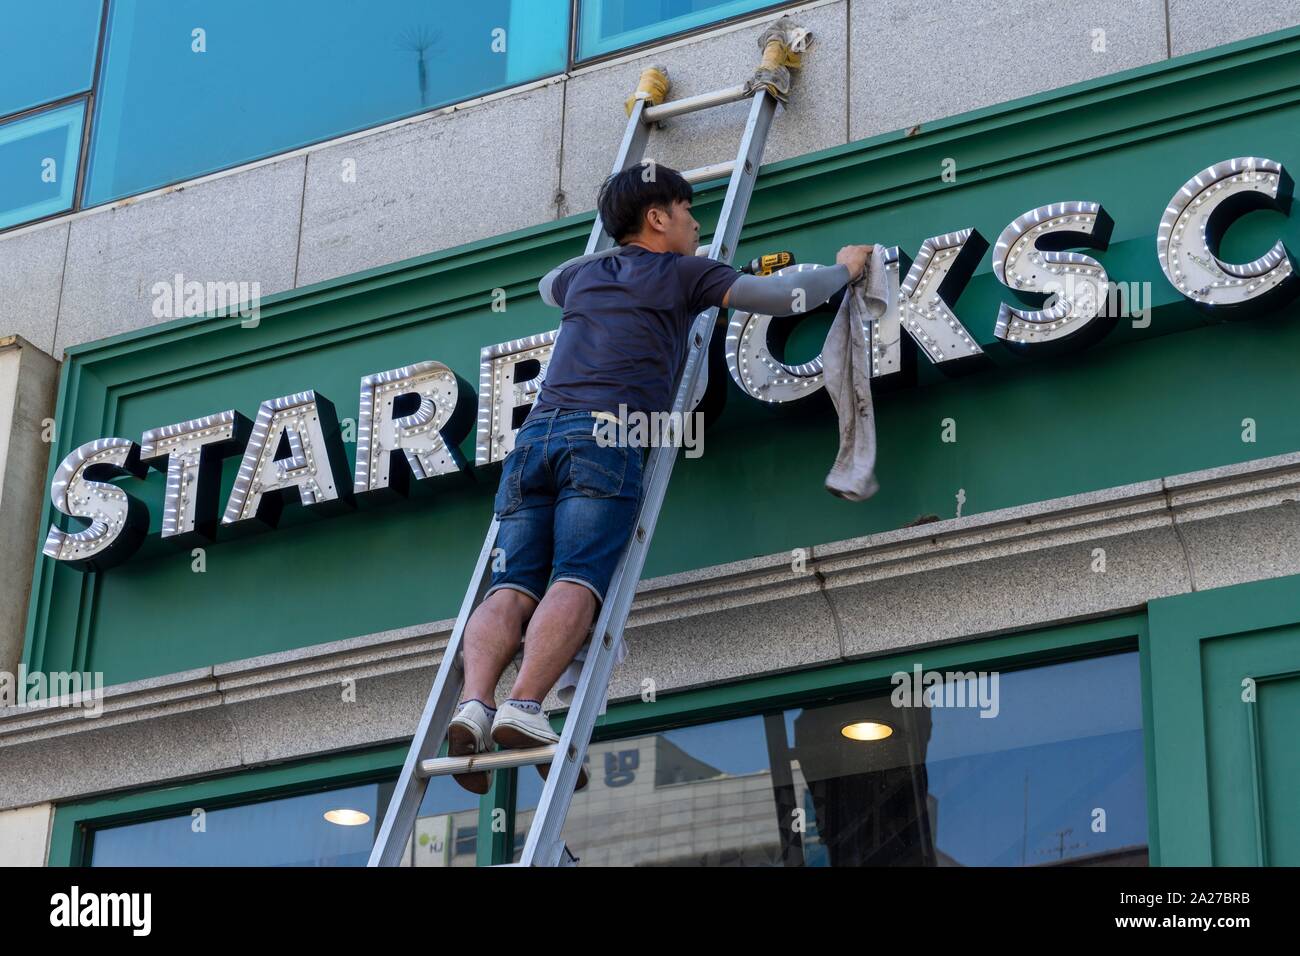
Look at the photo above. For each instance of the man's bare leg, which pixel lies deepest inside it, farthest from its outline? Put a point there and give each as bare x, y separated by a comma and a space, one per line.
556, 632
491, 640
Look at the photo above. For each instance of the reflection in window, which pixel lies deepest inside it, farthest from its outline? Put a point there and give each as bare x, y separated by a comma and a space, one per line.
47, 51
189, 86
295, 831
608, 25
1054, 775
38, 163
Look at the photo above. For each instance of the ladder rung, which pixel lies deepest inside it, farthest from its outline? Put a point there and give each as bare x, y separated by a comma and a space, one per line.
704, 173
499, 760
691, 104
566, 859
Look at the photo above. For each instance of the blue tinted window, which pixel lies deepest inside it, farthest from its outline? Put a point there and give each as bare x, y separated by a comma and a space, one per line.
993, 769
1022, 786
294, 831
608, 25
38, 163
189, 86
47, 51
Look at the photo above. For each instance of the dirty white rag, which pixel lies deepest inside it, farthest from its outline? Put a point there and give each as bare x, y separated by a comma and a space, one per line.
846, 367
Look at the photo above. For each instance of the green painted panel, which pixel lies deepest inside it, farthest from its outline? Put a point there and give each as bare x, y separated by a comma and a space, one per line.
1226, 773
1278, 776
1162, 399
1252, 766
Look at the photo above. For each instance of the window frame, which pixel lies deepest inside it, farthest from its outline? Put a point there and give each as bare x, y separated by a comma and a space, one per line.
87, 97
76, 99
75, 821
842, 682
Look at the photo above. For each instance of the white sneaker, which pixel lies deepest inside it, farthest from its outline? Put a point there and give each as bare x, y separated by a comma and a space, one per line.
515, 728
470, 732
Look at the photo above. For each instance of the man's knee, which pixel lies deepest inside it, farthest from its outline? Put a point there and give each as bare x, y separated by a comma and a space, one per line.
575, 602
512, 601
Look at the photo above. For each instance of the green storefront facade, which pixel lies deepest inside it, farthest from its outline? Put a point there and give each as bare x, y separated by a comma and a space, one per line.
1158, 398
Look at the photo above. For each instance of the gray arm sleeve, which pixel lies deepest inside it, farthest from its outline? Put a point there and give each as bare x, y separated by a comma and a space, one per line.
548, 280
780, 295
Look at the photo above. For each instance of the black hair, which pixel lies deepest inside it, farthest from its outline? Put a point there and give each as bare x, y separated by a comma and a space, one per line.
625, 197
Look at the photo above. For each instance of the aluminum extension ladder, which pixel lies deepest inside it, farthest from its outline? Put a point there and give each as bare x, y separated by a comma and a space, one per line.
544, 846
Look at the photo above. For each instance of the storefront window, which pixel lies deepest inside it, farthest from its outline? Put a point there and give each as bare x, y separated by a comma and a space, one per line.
296, 831
1054, 774
38, 163
47, 51
608, 25
189, 87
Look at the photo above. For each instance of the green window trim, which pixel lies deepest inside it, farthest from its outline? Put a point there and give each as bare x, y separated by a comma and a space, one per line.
774, 693
74, 821
1202, 644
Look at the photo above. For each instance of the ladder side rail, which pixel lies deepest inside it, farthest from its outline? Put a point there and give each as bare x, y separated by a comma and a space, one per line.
630, 152
735, 206
544, 843
734, 212
404, 806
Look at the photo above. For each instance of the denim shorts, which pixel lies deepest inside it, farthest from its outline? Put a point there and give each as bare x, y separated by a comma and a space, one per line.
566, 505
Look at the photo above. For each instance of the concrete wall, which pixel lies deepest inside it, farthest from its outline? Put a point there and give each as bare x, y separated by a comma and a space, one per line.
537, 153
25, 835
526, 157
28, 380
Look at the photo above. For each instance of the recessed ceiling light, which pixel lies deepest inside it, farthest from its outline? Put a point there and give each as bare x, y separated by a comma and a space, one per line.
347, 818
867, 730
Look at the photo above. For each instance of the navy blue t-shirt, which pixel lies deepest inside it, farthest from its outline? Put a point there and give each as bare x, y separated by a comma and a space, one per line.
625, 326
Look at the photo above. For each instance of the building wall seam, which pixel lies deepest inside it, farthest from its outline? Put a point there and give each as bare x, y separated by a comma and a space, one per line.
830, 605
63, 279
1178, 530
302, 215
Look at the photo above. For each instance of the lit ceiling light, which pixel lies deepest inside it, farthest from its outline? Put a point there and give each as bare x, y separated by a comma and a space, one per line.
867, 730
347, 818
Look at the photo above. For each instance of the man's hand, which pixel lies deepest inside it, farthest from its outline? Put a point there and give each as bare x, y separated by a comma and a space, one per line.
855, 257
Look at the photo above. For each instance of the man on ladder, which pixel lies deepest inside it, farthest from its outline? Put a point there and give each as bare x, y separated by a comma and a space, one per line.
567, 500
574, 517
